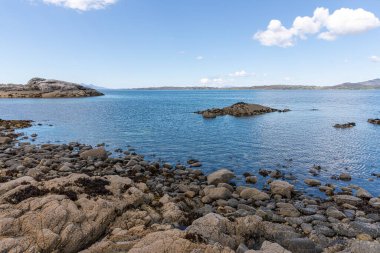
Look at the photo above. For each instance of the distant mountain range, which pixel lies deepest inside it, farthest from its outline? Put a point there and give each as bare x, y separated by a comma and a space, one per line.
366, 85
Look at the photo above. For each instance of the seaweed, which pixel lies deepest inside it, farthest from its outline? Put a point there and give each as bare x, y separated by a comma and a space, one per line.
94, 187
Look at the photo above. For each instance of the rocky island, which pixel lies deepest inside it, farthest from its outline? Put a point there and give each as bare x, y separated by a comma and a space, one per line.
46, 88
238, 110
76, 198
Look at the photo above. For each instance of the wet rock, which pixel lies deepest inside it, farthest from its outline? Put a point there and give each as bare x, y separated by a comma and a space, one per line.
362, 193
346, 125
220, 176
345, 177
374, 121
312, 182
375, 202
251, 179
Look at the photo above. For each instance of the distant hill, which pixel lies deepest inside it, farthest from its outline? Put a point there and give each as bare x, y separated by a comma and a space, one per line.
92, 86
366, 85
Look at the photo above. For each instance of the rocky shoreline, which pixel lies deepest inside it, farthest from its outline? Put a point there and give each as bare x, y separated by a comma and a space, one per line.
46, 88
239, 110
76, 198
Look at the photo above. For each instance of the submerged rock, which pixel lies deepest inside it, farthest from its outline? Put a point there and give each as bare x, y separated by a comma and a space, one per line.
374, 121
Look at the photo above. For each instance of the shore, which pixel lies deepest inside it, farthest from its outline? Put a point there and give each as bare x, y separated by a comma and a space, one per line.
76, 198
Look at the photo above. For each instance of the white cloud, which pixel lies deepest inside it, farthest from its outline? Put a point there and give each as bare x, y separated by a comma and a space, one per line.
212, 81
275, 35
199, 58
82, 5
328, 26
241, 73
374, 58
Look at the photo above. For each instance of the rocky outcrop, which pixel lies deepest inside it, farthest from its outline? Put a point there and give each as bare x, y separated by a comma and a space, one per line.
374, 121
345, 125
238, 110
46, 88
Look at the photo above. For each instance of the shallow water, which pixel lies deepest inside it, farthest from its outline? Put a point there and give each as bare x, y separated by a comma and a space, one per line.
162, 125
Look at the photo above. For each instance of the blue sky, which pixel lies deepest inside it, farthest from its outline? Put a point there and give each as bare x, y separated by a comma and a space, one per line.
140, 43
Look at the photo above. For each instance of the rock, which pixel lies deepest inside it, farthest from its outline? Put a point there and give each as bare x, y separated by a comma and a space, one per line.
213, 228
287, 210
374, 121
375, 202
364, 237
251, 179
312, 182
269, 247
98, 153
346, 125
362, 193
358, 246
253, 193
367, 228
345, 177
44, 88
301, 245
173, 241
335, 213
220, 176
218, 193
282, 188
5, 140
347, 199
237, 110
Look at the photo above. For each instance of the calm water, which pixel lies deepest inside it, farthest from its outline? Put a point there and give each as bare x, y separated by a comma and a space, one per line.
162, 125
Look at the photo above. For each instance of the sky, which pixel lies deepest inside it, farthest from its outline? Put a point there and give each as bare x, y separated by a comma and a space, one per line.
145, 43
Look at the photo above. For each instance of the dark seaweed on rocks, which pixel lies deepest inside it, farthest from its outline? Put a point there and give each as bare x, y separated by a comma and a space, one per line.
94, 187
72, 195
28, 192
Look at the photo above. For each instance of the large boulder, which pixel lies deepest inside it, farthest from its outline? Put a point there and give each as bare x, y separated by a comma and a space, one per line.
98, 153
253, 193
220, 176
282, 188
213, 228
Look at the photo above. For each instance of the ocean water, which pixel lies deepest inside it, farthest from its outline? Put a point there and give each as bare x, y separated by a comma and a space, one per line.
161, 125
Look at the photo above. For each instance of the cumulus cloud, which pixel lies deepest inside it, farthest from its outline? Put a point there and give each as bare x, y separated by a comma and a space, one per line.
82, 5
327, 26
374, 58
212, 81
241, 73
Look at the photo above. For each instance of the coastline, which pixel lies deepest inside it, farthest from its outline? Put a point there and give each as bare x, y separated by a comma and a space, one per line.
108, 204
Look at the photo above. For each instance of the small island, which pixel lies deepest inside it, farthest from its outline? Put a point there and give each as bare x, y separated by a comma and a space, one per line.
238, 110
46, 88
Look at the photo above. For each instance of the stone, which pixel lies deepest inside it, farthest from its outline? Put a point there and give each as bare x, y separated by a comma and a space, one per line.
5, 140
347, 199
218, 193
375, 202
220, 176
312, 182
345, 177
253, 193
213, 228
359, 246
282, 188
287, 210
335, 213
98, 153
251, 179
362, 193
